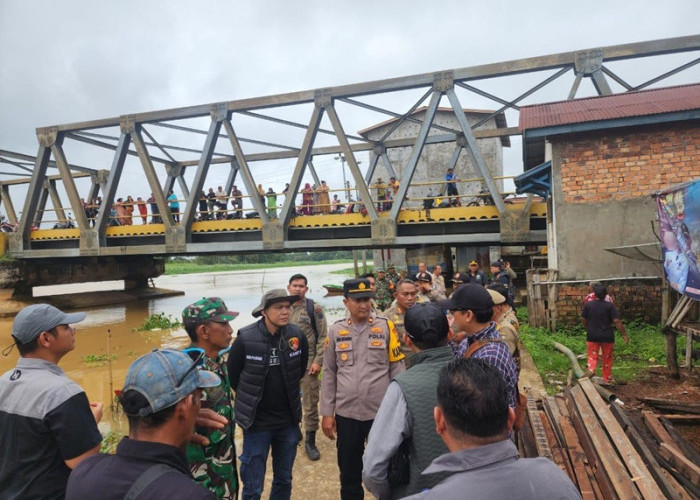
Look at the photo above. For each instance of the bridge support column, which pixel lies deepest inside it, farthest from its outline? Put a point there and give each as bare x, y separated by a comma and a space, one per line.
273, 235
384, 231
135, 270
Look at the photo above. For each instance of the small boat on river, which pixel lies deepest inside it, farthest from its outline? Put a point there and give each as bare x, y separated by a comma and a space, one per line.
333, 289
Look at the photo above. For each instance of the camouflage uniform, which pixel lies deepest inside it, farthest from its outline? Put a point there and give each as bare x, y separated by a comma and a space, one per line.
394, 278
213, 466
384, 293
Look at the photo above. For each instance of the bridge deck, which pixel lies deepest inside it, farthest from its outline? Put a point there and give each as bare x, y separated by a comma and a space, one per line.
434, 216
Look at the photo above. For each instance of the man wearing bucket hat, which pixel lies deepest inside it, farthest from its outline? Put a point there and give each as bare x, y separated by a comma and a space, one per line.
161, 398
407, 409
47, 425
362, 355
214, 465
265, 367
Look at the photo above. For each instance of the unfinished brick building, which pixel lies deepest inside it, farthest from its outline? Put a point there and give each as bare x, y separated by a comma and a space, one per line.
599, 160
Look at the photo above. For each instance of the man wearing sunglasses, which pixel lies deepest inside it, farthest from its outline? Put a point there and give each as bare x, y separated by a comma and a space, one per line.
214, 465
265, 366
472, 308
47, 425
161, 398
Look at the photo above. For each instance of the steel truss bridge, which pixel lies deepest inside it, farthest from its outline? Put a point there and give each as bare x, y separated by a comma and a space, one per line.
238, 135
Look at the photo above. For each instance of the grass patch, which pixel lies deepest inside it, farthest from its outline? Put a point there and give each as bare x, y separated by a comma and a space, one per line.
350, 271
159, 321
191, 267
647, 347
97, 358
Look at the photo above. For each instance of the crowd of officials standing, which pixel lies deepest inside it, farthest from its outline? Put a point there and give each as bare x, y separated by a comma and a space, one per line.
421, 400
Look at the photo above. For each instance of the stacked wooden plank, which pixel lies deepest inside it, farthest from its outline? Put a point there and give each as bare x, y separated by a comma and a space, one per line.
603, 453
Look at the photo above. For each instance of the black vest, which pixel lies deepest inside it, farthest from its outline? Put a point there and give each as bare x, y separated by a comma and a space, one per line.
257, 341
419, 386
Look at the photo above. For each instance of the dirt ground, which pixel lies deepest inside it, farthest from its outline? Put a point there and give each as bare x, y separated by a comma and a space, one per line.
654, 383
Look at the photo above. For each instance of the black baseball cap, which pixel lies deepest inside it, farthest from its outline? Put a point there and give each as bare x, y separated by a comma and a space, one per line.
471, 296
425, 320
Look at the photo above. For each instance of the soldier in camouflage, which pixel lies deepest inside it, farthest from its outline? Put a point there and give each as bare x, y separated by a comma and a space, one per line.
385, 289
213, 466
392, 275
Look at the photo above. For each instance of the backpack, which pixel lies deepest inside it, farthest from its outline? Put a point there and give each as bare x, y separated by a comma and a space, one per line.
312, 317
520, 400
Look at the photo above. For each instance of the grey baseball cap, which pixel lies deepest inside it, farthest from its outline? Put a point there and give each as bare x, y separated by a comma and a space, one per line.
165, 377
37, 318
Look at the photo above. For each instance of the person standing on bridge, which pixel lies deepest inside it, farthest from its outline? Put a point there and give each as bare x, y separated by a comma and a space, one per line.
174, 205
308, 315
237, 202
324, 199
143, 209
47, 425
451, 186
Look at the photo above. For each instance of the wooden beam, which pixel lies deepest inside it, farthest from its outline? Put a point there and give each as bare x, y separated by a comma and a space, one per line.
630, 458
681, 462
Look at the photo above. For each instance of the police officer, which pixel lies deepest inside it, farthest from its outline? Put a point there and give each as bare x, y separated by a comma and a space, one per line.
362, 355
406, 296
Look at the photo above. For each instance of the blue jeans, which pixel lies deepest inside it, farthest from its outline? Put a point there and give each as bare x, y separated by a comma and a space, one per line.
256, 446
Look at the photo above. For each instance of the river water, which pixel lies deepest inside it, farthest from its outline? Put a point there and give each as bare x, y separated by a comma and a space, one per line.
110, 331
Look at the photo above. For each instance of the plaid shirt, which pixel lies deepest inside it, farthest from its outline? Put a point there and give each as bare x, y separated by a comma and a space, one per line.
494, 353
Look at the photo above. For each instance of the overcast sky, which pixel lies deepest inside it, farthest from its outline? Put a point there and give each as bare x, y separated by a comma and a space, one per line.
68, 61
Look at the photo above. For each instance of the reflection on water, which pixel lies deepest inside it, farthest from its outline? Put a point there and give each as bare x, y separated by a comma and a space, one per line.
111, 331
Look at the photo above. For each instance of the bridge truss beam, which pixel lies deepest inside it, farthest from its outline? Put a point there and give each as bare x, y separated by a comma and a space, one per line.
148, 137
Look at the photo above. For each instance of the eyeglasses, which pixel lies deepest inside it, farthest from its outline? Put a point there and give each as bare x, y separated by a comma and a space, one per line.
196, 354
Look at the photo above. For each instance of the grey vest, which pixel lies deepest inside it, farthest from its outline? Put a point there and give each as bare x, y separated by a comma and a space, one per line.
419, 386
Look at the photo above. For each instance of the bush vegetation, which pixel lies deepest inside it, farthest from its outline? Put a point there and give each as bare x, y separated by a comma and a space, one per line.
646, 347
159, 321
217, 263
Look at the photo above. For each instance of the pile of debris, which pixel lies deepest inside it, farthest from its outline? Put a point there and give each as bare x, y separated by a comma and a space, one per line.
590, 437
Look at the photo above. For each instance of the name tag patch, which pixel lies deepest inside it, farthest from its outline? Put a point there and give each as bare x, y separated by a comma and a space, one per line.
253, 358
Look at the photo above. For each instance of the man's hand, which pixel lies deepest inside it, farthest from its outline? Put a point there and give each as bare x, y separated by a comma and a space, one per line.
96, 409
328, 427
209, 419
315, 369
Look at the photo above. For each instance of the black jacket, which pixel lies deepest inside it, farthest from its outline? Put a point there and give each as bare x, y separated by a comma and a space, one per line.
249, 366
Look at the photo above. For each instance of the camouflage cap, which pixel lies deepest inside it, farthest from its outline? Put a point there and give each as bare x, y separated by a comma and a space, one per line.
379, 269
208, 309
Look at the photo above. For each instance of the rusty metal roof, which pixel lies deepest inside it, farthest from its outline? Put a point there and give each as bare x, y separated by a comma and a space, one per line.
628, 104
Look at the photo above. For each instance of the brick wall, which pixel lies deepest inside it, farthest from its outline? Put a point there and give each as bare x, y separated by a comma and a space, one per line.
634, 299
613, 165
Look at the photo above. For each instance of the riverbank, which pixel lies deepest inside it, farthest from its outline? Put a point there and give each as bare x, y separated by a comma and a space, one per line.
180, 267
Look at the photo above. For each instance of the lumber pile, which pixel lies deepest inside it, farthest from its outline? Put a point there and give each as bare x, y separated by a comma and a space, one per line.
607, 456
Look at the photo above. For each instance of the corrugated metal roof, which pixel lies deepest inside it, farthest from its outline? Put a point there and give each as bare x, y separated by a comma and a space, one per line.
629, 104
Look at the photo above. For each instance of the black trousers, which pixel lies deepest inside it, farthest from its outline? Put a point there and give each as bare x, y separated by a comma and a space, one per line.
352, 435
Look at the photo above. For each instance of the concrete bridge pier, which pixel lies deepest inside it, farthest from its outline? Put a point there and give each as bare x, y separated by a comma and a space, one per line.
24, 275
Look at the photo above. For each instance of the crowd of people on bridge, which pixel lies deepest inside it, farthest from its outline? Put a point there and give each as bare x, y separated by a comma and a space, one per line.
315, 200
421, 398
